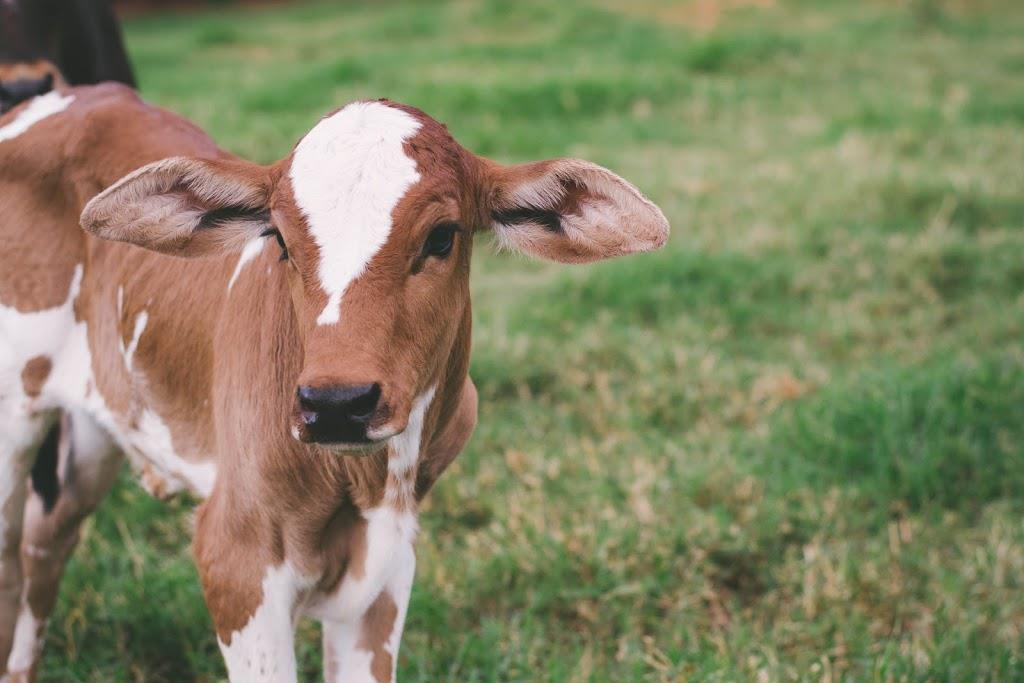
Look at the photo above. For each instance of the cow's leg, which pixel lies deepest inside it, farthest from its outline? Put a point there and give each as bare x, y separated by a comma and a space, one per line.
65, 490
263, 650
252, 599
21, 436
366, 649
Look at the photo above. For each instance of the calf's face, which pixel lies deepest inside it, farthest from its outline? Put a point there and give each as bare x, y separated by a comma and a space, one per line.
374, 213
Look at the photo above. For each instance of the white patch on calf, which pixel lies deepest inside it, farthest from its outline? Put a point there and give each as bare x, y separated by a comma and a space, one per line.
401, 590
252, 249
128, 352
405, 452
352, 665
263, 650
38, 109
24, 336
348, 174
151, 442
27, 640
389, 538
342, 632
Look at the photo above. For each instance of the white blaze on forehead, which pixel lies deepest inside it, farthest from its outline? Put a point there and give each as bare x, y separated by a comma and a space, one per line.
348, 174
38, 109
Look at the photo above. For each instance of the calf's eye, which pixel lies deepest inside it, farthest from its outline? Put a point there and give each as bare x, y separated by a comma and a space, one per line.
440, 240
280, 241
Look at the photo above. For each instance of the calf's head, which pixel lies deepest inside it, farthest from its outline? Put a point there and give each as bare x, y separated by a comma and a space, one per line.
374, 213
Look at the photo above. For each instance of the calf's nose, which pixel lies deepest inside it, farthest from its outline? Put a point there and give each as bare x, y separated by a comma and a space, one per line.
337, 413
356, 402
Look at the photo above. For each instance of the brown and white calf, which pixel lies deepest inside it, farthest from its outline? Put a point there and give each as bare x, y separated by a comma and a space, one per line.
289, 342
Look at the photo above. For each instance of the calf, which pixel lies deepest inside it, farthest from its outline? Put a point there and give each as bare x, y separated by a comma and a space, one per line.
289, 342
49, 42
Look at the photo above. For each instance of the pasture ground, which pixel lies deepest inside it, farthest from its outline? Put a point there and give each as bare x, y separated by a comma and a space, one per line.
787, 447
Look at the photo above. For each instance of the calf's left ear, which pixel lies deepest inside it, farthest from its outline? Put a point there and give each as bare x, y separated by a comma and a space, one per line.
572, 211
184, 206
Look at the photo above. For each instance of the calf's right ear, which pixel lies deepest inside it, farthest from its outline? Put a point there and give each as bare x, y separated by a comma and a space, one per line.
184, 207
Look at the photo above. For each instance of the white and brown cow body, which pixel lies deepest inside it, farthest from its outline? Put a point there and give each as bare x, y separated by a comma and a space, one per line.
299, 361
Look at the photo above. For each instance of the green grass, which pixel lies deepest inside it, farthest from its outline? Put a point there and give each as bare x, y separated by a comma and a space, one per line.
787, 447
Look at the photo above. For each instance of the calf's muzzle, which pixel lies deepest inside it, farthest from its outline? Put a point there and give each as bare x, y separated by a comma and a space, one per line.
337, 413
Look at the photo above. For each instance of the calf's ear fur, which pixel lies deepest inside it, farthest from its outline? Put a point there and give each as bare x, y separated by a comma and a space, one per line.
183, 206
572, 211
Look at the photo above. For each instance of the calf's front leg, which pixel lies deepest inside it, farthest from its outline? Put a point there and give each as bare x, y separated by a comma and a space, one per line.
253, 603
365, 649
263, 651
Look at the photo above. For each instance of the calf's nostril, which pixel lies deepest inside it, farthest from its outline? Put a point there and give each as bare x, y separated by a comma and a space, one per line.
361, 406
310, 398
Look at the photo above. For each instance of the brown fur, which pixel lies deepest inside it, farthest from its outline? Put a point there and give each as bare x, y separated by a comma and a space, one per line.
34, 375
377, 626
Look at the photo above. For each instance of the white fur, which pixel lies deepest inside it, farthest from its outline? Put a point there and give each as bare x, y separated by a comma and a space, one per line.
151, 443
348, 174
20, 430
263, 650
38, 109
72, 386
252, 249
390, 544
389, 538
401, 590
353, 664
341, 638
405, 447
405, 453
24, 336
27, 642
129, 351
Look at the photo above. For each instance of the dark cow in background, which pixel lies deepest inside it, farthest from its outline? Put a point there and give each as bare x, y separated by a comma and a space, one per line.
44, 43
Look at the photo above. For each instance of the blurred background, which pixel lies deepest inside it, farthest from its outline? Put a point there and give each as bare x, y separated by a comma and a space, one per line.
786, 447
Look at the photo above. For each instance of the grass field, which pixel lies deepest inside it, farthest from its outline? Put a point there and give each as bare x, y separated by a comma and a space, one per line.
790, 446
